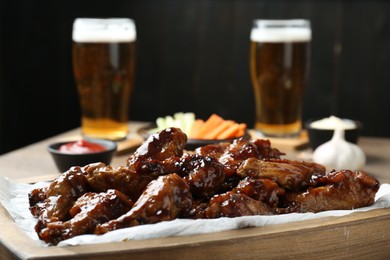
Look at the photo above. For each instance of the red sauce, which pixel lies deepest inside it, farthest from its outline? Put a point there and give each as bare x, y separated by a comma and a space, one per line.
81, 146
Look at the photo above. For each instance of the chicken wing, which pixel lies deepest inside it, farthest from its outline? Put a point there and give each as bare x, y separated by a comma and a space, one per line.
338, 190
100, 178
233, 204
232, 155
264, 190
56, 199
289, 174
88, 211
204, 175
166, 198
159, 153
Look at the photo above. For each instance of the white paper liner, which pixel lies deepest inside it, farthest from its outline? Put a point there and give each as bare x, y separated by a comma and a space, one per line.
14, 197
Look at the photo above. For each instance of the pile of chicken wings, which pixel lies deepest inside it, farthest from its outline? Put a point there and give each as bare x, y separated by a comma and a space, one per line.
161, 182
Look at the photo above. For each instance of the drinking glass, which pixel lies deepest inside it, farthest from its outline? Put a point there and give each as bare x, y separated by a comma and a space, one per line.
103, 64
279, 65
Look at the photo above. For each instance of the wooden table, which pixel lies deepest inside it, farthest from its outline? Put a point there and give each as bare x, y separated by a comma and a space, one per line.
356, 235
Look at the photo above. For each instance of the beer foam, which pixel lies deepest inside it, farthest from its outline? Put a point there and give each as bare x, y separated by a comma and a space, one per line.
280, 34
104, 30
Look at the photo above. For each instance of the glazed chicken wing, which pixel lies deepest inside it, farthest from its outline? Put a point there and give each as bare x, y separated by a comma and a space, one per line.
233, 204
204, 175
100, 178
232, 155
159, 153
250, 197
338, 190
291, 175
238, 151
88, 211
212, 150
264, 190
56, 199
166, 198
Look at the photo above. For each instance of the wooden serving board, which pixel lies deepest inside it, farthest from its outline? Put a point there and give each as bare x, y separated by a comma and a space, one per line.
356, 235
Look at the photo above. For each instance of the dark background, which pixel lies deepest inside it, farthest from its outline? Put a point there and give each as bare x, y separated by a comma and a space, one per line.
191, 56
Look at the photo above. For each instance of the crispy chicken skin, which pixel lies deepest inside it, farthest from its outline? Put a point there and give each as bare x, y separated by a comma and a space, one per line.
161, 181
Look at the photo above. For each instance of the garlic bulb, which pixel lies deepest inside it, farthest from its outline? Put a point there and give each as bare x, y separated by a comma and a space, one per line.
340, 154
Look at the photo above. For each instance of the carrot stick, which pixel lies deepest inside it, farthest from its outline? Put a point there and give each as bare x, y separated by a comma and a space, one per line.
241, 130
218, 130
212, 122
215, 127
235, 130
195, 128
230, 132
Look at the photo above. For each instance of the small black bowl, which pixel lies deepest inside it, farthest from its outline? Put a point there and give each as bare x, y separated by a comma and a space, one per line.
64, 161
319, 136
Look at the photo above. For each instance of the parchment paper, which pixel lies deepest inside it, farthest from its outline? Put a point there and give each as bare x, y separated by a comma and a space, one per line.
14, 197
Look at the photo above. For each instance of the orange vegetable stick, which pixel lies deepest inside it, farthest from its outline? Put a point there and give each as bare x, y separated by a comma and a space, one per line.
219, 129
212, 122
241, 130
229, 132
235, 130
195, 128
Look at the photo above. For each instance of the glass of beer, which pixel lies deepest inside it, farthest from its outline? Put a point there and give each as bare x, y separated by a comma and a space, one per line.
279, 64
103, 67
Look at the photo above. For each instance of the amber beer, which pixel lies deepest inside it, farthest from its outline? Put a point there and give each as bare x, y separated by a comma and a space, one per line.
103, 66
279, 63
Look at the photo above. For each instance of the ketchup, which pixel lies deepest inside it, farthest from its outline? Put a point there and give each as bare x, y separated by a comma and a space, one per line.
81, 146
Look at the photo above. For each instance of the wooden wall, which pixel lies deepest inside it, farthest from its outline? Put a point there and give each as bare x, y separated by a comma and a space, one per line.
192, 56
